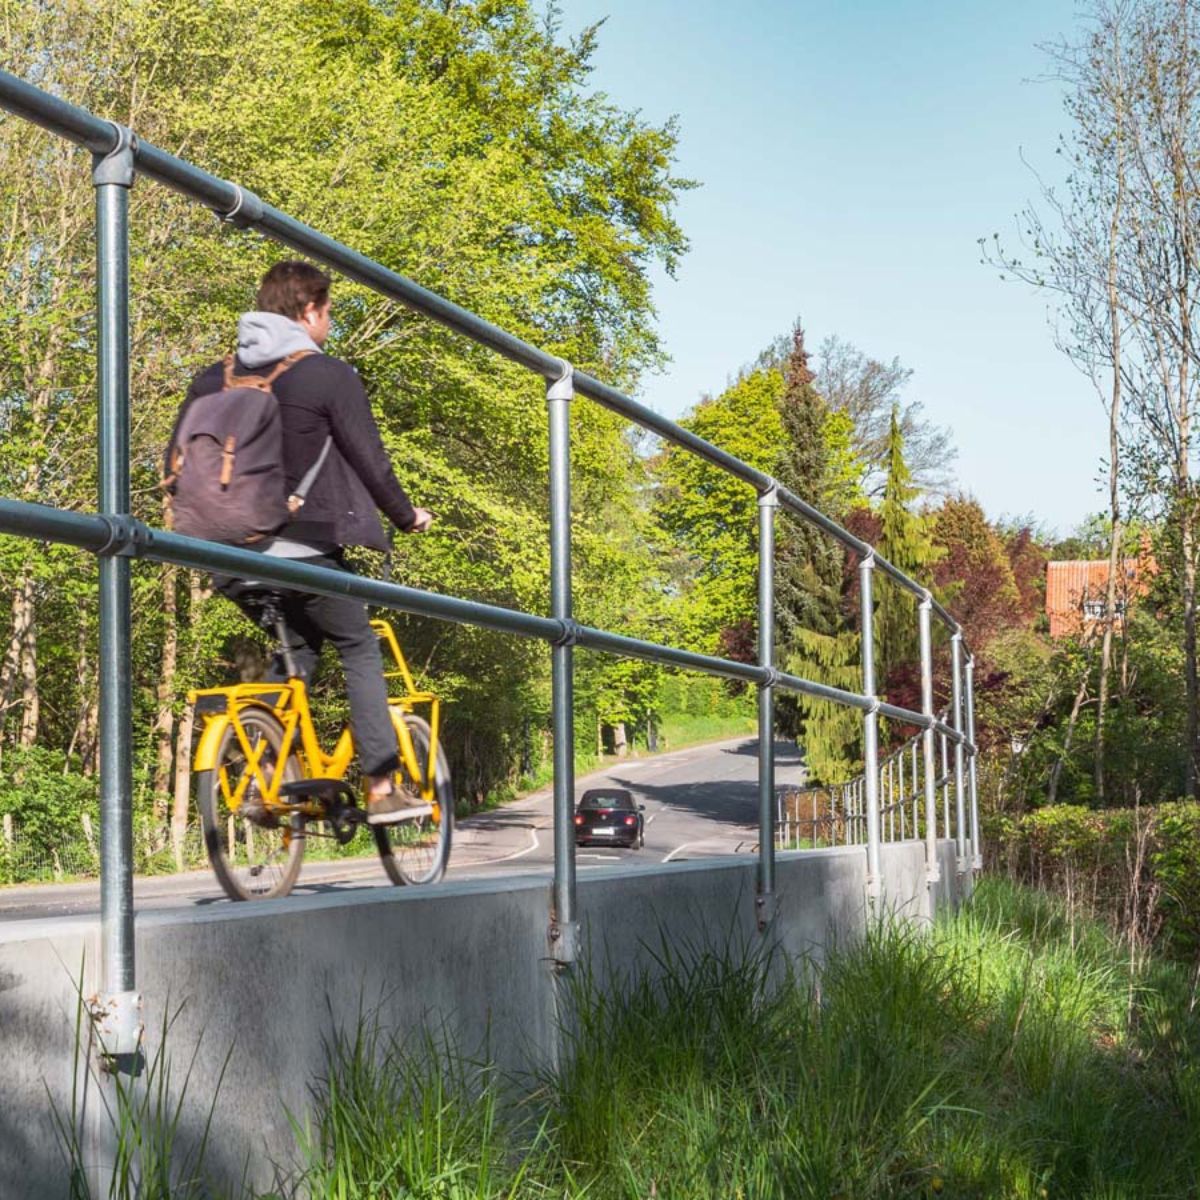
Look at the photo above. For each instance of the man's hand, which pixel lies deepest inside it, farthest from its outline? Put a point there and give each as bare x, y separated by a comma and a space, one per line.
424, 518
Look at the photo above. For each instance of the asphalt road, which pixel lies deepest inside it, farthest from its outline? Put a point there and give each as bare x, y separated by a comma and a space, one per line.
699, 802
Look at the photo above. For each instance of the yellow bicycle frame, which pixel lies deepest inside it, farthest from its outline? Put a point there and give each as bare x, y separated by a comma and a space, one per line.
221, 709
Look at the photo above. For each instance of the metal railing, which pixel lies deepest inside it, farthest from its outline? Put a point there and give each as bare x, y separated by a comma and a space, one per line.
116, 537
835, 815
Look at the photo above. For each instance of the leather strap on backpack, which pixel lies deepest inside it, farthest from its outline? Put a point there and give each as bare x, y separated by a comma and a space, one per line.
263, 382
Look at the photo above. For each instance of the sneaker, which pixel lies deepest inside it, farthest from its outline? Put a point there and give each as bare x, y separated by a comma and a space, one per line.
388, 808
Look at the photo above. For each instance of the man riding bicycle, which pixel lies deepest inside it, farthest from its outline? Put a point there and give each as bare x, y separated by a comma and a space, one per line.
332, 443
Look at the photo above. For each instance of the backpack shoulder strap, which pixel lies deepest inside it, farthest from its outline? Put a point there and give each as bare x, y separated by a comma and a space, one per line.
262, 382
285, 364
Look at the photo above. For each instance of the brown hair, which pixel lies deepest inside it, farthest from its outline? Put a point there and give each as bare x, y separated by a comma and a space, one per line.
289, 287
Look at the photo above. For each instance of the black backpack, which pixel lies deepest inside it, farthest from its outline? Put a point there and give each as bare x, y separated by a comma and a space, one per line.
225, 478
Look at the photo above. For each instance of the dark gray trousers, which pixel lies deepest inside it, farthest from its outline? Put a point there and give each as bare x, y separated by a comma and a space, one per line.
310, 621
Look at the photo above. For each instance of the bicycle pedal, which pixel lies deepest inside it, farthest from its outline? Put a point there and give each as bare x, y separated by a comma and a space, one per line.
307, 789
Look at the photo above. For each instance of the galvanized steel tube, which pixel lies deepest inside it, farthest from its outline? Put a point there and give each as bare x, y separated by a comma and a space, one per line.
767, 503
866, 570
924, 615
976, 844
113, 177
959, 796
562, 683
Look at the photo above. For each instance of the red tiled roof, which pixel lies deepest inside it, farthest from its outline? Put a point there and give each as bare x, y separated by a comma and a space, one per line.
1073, 582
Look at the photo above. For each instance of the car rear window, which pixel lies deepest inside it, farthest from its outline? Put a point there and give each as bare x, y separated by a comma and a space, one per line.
606, 800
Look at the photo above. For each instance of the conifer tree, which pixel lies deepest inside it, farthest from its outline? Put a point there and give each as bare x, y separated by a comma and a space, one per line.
906, 541
815, 643
808, 566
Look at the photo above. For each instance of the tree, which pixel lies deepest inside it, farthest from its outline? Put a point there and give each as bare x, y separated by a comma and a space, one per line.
868, 391
711, 517
1120, 250
815, 463
906, 541
457, 143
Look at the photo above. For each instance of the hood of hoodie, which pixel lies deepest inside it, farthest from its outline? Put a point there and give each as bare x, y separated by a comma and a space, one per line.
265, 337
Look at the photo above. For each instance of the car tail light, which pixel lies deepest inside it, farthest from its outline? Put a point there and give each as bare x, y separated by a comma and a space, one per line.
578, 820
631, 820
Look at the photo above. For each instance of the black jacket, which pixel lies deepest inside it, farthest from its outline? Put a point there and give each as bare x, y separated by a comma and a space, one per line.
319, 397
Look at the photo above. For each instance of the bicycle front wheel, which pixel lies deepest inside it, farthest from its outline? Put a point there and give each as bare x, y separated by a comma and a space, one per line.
255, 853
416, 850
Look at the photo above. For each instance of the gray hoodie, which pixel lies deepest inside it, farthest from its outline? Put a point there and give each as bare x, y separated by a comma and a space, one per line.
265, 337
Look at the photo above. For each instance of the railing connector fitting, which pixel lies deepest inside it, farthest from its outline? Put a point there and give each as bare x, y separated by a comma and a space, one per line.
773, 677
118, 1025
770, 497
126, 536
247, 209
766, 907
571, 632
562, 385
117, 166
564, 943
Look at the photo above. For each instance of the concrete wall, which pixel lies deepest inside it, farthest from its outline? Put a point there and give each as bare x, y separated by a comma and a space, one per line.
256, 991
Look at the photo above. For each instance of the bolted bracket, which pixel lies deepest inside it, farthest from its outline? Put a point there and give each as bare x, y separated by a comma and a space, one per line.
766, 906
570, 632
977, 862
933, 874
247, 209
126, 536
118, 1025
562, 386
773, 677
117, 166
962, 866
564, 943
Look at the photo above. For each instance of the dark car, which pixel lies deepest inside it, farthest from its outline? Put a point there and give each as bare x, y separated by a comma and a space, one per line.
610, 816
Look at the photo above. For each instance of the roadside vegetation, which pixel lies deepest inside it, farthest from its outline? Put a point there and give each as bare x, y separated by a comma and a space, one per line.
1012, 1051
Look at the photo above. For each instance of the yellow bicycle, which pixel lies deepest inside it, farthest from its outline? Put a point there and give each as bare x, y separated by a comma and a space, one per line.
264, 784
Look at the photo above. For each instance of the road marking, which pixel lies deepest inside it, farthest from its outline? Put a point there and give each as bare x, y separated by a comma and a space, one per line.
681, 846
483, 862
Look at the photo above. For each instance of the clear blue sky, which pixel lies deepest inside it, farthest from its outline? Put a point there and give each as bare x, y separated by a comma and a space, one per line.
851, 154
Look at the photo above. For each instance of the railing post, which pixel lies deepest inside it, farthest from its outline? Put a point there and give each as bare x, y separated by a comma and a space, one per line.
768, 502
976, 844
564, 928
117, 1010
945, 786
866, 570
925, 619
960, 817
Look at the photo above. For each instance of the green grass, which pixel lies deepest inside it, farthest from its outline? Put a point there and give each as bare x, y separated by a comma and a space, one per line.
1008, 1052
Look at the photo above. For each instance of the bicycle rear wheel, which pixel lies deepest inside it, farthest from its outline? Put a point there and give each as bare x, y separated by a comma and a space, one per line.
416, 850
255, 854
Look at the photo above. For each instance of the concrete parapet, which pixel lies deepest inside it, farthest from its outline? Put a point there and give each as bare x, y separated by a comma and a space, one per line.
468, 960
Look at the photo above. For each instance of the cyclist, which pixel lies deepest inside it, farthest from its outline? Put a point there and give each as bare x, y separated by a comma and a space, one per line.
324, 410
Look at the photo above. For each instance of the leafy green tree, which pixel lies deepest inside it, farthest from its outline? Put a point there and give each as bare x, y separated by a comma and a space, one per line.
459, 144
712, 518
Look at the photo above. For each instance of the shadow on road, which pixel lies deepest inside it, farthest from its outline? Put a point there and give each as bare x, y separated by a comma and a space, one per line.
727, 801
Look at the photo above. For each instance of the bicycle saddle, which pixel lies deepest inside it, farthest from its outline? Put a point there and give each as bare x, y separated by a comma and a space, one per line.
263, 601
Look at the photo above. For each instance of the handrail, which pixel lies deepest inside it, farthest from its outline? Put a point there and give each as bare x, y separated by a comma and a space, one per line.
237, 204
115, 536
